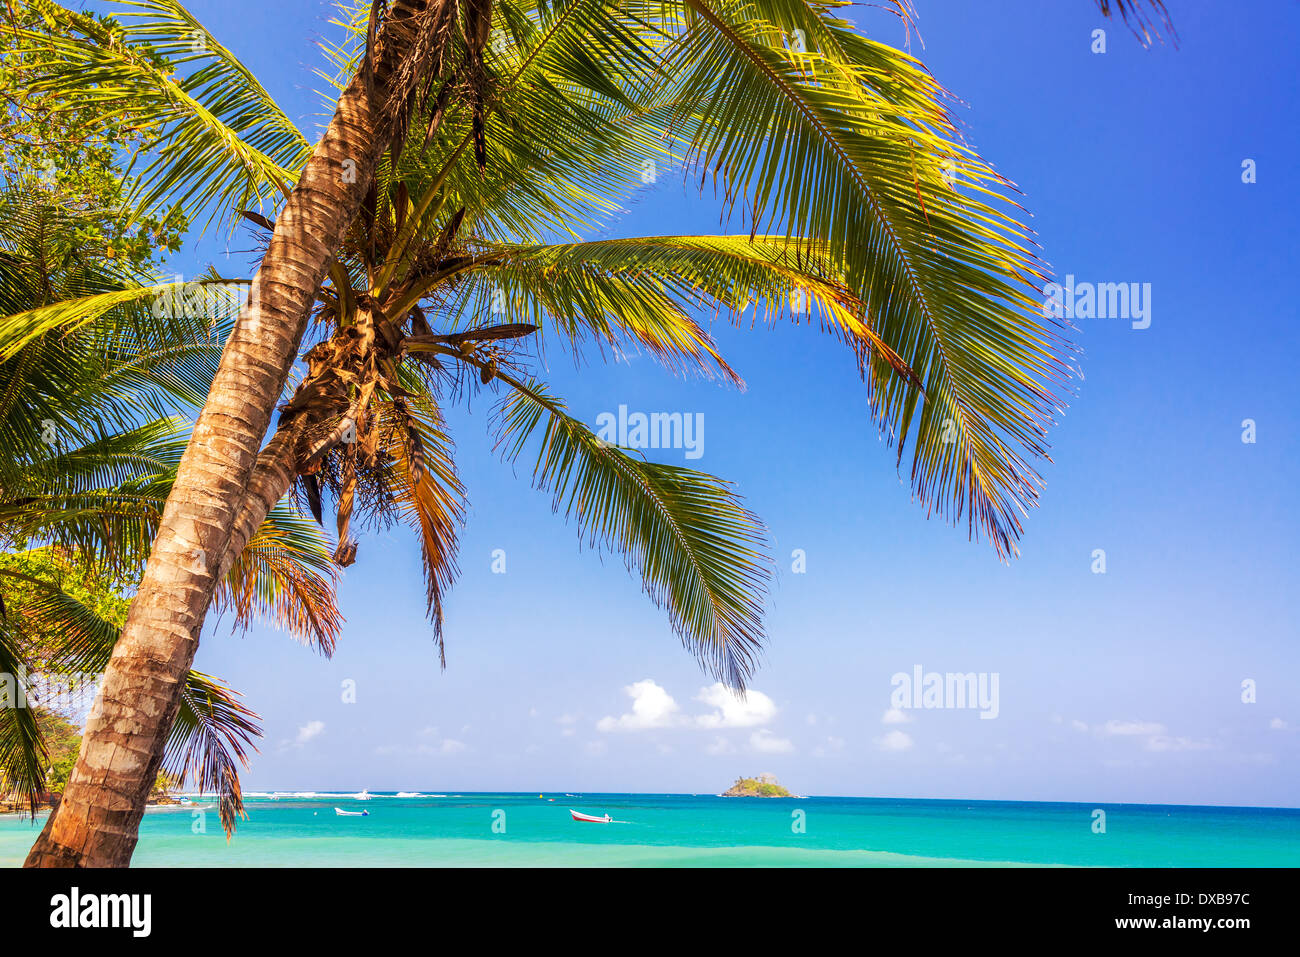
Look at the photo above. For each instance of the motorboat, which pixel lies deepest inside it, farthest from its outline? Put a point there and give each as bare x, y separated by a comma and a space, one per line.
591, 819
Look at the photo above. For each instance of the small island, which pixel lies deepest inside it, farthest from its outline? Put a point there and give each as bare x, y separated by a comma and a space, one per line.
161, 796
763, 786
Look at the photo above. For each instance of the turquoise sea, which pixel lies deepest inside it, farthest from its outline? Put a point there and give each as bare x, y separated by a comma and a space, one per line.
664, 830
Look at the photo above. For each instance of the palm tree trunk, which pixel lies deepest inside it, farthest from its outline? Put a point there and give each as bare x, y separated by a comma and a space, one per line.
269, 482
122, 749
271, 479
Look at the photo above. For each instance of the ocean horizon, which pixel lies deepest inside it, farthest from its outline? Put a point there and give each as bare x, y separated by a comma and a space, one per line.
517, 829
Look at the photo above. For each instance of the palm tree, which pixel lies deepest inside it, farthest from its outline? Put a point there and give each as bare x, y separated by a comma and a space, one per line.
467, 137
89, 443
55, 636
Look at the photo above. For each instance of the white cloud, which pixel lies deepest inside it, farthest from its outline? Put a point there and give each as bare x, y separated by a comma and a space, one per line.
1075, 723
429, 745
732, 711
566, 723
308, 731
1162, 742
1145, 728
719, 745
652, 707
1156, 735
895, 716
449, 746
895, 741
1277, 724
766, 742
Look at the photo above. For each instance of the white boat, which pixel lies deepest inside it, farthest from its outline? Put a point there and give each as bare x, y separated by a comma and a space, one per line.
363, 796
342, 813
579, 816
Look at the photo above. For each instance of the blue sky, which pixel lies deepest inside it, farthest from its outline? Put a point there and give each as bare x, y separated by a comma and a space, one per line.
1123, 686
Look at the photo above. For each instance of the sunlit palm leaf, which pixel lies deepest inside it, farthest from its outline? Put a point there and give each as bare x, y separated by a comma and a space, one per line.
70, 315
700, 553
429, 495
850, 144
285, 577
211, 737
222, 143
85, 638
101, 500
645, 289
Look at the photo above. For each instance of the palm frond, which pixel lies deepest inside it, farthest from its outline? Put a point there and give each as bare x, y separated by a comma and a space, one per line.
428, 493
212, 732
701, 554
86, 637
69, 315
850, 144
285, 577
221, 141
23, 753
209, 740
51, 633
644, 289
101, 500
1143, 22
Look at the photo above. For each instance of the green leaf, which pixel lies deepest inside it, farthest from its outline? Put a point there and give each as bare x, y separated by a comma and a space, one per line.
701, 554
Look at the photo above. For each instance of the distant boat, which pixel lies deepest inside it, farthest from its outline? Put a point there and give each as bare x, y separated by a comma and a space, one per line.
342, 813
579, 816
363, 796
